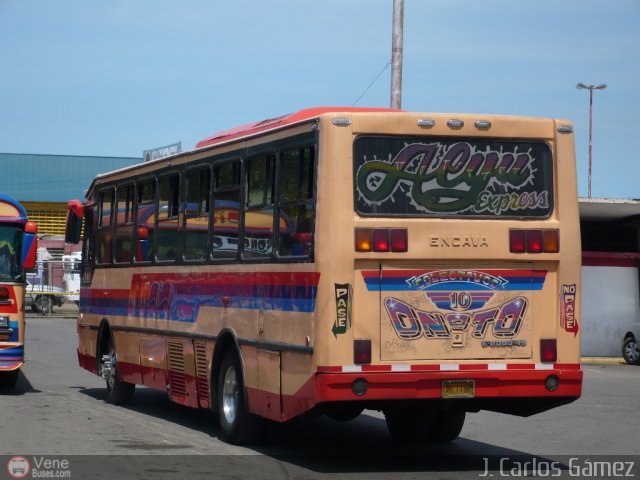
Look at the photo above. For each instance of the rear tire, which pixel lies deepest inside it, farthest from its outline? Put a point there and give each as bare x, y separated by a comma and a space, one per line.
9, 379
119, 392
408, 424
237, 425
415, 424
446, 426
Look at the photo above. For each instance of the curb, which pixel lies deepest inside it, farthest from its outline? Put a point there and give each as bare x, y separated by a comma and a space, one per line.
603, 360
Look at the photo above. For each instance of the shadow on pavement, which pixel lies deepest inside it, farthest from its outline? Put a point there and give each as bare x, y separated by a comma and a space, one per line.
327, 446
22, 387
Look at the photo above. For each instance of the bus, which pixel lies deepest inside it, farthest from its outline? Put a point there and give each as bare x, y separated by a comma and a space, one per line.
18, 248
340, 259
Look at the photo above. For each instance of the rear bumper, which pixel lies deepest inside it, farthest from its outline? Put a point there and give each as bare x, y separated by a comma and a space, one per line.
413, 382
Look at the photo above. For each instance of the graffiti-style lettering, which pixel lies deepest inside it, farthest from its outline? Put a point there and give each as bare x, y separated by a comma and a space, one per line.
450, 178
410, 323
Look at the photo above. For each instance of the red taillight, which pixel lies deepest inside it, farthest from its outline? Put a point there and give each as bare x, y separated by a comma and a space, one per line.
548, 350
381, 240
399, 240
517, 241
362, 352
4, 294
534, 241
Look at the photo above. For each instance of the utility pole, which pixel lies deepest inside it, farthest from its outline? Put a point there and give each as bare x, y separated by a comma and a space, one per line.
396, 54
591, 88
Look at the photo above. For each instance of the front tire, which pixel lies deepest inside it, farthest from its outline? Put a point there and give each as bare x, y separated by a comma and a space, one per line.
237, 425
631, 351
119, 392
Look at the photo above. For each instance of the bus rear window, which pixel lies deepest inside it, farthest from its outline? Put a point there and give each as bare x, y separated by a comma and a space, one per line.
418, 176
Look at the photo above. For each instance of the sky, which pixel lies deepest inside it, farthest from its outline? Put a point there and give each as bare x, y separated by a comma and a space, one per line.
116, 77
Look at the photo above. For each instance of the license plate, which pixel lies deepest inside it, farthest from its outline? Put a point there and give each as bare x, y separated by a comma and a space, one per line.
458, 389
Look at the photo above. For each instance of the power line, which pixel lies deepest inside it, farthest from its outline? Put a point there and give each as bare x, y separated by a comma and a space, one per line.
371, 84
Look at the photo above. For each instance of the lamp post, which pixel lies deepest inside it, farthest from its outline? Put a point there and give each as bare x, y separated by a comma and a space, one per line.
591, 88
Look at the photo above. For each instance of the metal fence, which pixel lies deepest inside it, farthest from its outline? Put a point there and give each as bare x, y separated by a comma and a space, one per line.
52, 284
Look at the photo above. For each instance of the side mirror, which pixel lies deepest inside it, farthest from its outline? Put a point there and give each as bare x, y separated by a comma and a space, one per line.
29, 246
75, 214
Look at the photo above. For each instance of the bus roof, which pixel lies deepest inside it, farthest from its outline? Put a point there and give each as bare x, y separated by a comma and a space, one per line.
11, 209
278, 122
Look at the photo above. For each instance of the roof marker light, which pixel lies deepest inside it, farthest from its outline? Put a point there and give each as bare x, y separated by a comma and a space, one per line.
455, 123
564, 129
482, 124
426, 122
341, 121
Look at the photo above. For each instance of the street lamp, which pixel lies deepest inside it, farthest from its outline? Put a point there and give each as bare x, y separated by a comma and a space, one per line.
591, 88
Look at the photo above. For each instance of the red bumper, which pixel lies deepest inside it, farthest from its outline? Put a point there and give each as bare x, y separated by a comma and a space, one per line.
425, 381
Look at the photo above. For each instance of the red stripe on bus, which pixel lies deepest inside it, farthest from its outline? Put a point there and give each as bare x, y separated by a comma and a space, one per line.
610, 259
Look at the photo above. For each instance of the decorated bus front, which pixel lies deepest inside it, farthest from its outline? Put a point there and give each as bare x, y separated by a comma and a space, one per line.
18, 246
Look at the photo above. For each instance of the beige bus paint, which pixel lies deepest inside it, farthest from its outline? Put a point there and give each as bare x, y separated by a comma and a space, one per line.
338, 263
332, 229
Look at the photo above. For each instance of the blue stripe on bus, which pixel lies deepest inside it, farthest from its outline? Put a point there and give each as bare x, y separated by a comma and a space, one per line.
396, 284
184, 307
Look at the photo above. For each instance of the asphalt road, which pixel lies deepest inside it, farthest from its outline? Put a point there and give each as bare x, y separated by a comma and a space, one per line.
58, 411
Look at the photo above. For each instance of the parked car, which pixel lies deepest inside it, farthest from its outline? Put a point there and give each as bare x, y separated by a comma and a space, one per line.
630, 347
42, 298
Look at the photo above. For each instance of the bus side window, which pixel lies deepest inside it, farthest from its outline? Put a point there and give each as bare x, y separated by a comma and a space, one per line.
295, 205
197, 214
258, 219
105, 216
167, 241
124, 224
145, 215
88, 246
226, 210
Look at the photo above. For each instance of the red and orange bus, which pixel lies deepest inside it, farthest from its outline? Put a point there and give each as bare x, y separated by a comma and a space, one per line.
341, 259
18, 247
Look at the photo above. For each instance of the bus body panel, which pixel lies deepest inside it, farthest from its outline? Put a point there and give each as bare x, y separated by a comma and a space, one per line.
457, 306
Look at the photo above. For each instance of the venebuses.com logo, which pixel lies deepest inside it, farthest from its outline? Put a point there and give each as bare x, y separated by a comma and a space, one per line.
38, 467
18, 467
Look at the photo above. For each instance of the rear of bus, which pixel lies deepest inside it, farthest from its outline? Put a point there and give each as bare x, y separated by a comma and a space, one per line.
449, 253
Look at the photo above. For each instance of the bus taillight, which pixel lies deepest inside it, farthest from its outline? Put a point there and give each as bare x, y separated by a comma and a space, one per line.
381, 239
534, 241
548, 350
4, 294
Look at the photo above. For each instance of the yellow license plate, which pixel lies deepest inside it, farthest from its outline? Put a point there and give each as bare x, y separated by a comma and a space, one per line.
458, 389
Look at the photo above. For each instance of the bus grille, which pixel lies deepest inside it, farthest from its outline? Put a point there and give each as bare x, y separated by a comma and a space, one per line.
177, 379
201, 372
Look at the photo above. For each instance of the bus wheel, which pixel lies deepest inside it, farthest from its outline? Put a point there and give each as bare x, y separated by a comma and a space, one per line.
9, 379
119, 392
43, 304
446, 426
237, 425
344, 412
409, 424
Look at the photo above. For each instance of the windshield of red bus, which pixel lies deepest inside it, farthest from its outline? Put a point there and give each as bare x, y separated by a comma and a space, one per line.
10, 252
430, 176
